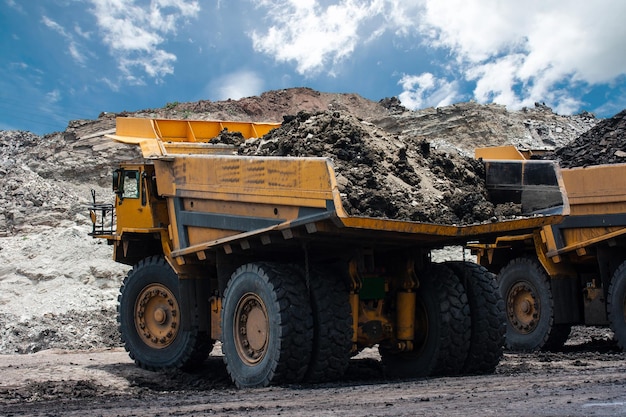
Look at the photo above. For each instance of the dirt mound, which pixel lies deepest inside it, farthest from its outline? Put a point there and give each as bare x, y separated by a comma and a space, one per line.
271, 106
383, 175
45, 181
605, 143
466, 126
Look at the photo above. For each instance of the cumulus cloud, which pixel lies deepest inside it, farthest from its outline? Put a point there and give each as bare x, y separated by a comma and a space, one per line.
236, 85
135, 33
522, 52
425, 90
313, 35
515, 53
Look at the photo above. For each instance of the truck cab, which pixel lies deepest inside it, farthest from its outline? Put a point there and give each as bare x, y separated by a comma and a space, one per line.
138, 214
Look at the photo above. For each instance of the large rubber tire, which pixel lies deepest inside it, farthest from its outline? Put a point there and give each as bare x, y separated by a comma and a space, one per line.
442, 329
488, 318
616, 305
267, 326
529, 307
150, 315
332, 318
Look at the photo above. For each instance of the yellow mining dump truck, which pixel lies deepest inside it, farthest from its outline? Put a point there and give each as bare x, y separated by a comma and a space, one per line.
569, 273
258, 253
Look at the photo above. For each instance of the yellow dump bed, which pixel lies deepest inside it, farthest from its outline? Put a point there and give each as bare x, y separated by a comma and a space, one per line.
219, 199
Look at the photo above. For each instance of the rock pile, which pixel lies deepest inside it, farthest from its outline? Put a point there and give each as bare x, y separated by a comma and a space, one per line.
381, 174
605, 143
466, 126
45, 181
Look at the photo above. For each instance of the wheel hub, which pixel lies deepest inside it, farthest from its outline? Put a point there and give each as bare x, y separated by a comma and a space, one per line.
160, 315
156, 316
251, 329
522, 308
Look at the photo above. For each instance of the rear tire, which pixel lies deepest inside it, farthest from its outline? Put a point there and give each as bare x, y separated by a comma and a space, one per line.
442, 329
529, 307
488, 318
616, 305
267, 327
150, 318
332, 318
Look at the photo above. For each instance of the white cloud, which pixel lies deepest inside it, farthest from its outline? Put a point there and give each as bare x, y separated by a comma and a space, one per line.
312, 35
425, 90
53, 96
114, 86
236, 85
73, 46
13, 4
134, 34
79, 31
515, 52
521, 52
54, 26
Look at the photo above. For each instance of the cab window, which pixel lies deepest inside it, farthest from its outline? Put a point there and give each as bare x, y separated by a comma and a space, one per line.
131, 184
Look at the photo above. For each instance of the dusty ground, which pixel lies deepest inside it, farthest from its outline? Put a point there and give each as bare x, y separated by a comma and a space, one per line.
588, 378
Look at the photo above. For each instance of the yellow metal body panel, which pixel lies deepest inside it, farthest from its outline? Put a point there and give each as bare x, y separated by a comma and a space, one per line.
597, 189
160, 137
498, 153
289, 181
246, 187
592, 191
142, 210
508, 152
585, 239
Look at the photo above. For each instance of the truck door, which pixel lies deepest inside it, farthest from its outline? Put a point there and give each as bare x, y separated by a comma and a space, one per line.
132, 208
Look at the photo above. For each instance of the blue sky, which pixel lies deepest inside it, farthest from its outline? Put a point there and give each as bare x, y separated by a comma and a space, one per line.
70, 59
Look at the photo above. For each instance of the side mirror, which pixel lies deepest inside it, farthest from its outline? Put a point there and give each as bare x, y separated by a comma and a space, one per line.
118, 182
116, 179
144, 189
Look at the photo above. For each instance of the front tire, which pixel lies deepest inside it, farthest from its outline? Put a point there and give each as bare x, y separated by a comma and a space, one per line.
267, 327
616, 305
529, 307
150, 318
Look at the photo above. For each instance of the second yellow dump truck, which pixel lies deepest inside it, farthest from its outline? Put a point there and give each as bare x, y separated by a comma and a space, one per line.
568, 273
258, 253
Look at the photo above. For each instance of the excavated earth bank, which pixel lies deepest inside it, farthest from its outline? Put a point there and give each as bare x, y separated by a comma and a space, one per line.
605, 143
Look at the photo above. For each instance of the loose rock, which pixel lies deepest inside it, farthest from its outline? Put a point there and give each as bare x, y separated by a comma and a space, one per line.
605, 143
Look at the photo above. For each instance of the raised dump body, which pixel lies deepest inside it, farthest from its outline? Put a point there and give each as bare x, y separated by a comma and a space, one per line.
567, 273
259, 253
